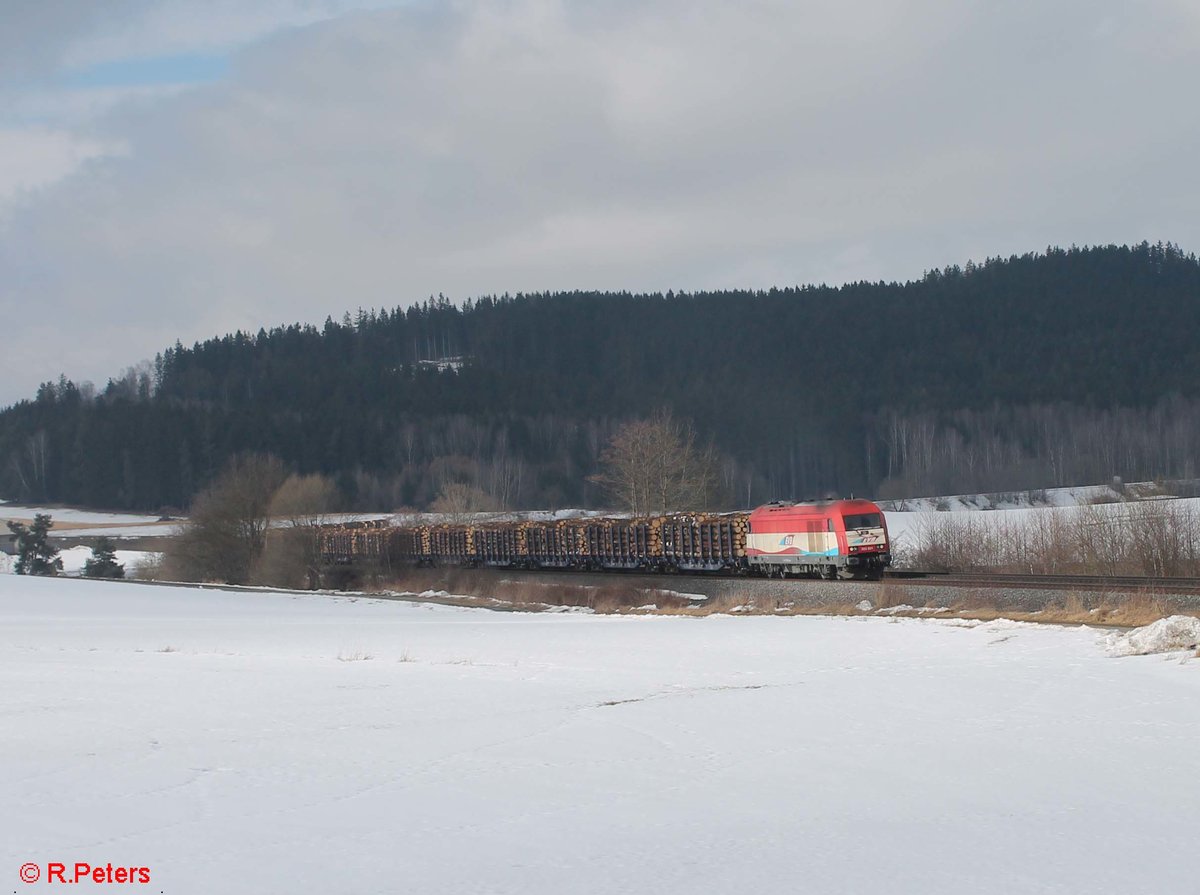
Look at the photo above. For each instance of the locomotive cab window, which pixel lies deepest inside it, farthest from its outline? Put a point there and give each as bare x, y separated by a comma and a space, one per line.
864, 520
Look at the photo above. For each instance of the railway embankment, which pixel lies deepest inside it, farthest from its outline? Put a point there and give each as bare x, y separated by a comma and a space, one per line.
1118, 602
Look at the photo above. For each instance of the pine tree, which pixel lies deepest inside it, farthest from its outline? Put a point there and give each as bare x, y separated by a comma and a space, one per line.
103, 563
35, 554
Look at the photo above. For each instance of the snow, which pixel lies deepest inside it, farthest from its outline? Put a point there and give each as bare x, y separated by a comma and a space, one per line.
259, 742
905, 528
64, 515
74, 558
1179, 632
1013, 500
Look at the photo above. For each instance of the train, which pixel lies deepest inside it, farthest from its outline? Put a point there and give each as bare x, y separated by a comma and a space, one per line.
825, 539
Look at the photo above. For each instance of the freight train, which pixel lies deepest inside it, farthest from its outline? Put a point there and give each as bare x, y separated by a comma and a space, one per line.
830, 539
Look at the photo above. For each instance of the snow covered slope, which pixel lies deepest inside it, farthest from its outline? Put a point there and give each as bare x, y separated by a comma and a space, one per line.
257, 742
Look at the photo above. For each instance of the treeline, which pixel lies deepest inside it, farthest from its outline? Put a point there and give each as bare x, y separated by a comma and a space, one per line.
1065, 367
1026, 448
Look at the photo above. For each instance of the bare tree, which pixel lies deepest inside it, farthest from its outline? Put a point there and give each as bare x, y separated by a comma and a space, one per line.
227, 526
291, 555
458, 500
656, 466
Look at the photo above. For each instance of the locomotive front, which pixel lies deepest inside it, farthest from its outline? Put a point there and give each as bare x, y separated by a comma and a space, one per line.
846, 538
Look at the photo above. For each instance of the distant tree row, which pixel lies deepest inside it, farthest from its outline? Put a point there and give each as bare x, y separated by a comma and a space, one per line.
1046, 369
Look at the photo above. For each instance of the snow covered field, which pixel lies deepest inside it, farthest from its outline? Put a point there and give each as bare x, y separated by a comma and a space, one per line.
257, 742
65, 516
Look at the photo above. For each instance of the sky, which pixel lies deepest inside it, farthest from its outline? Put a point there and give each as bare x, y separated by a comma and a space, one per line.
177, 170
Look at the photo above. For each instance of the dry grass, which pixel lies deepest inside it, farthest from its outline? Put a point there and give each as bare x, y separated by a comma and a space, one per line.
356, 656
149, 568
1140, 609
977, 604
893, 593
1108, 609
473, 588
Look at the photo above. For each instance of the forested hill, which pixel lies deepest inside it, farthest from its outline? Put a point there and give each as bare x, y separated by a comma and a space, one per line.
1045, 369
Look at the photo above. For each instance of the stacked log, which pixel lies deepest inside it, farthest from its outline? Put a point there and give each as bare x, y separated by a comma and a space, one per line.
551, 543
452, 542
705, 540
409, 544
680, 540
352, 541
501, 544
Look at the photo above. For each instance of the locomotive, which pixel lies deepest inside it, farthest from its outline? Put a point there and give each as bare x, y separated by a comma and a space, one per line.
830, 539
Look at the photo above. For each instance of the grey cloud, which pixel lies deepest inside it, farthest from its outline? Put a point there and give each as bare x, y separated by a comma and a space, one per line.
487, 147
35, 35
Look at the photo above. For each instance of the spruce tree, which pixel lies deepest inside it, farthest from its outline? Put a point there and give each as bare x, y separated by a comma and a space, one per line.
35, 554
103, 562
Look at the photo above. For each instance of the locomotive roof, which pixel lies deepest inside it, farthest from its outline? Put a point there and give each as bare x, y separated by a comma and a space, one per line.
853, 505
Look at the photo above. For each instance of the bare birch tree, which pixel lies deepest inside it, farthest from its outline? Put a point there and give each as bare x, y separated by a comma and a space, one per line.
656, 466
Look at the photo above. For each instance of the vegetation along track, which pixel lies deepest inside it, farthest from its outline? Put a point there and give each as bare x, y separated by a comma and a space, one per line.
1133, 583
1026, 593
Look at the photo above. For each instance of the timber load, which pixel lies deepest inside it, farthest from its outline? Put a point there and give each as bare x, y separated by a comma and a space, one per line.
689, 542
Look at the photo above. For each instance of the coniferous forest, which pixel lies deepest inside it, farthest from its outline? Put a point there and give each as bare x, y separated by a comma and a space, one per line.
1056, 368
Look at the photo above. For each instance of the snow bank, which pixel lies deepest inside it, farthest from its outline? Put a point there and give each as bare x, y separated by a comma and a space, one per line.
1178, 632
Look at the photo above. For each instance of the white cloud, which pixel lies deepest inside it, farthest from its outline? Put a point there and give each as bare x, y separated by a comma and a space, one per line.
34, 157
468, 148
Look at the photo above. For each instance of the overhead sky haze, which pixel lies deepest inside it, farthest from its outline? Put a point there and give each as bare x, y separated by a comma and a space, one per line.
174, 170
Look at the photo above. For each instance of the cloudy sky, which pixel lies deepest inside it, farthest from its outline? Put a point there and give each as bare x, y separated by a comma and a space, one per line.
176, 169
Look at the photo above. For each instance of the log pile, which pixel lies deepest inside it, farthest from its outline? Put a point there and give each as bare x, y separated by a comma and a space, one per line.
699, 541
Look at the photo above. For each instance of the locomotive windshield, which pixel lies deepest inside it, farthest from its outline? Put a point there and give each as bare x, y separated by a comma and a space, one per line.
864, 520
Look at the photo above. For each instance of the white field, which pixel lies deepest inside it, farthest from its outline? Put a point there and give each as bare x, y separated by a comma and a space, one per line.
65, 516
69, 522
262, 743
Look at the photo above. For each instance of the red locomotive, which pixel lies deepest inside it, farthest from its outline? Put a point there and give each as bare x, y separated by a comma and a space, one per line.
841, 537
